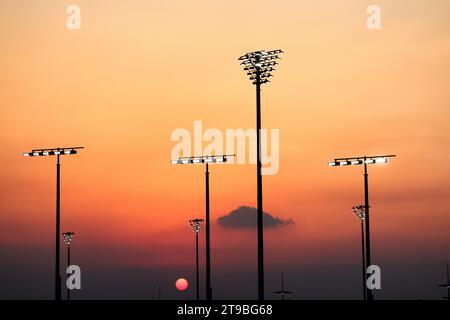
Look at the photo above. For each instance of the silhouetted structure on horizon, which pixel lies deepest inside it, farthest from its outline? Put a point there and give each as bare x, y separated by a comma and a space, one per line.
446, 285
283, 293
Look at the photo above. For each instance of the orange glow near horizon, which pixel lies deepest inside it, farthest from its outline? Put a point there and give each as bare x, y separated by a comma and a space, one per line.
137, 70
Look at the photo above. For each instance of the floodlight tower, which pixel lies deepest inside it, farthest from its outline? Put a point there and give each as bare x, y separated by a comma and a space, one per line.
206, 160
195, 224
68, 237
359, 211
56, 152
364, 160
259, 66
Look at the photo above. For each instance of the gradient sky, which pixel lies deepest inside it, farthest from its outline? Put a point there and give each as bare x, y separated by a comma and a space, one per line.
137, 70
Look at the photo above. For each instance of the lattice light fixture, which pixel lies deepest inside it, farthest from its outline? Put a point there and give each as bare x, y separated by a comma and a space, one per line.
259, 65
68, 237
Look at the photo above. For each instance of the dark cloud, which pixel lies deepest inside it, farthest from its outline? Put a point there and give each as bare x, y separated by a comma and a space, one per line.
245, 218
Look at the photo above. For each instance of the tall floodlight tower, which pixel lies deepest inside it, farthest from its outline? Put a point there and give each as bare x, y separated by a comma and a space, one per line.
259, 66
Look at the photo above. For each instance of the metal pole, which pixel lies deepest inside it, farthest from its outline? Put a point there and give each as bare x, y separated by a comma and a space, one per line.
57, 253
259, 187
196, 265
208, 248
367, 222
68, 264
363, 262
448, 288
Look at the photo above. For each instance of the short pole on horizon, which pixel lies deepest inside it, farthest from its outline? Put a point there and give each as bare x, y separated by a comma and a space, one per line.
283, 292
446, 285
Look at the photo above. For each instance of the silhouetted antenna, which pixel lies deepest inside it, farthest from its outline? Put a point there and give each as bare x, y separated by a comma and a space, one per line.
446, 285
283, 293
159, 293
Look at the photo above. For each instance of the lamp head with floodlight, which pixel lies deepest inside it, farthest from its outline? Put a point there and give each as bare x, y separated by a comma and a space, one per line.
195, 224
260, 64
68, 237
359, 160
52, 152
360, 212
202, 159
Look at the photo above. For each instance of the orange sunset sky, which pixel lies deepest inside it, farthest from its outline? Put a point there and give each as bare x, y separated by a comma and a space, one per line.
137, 70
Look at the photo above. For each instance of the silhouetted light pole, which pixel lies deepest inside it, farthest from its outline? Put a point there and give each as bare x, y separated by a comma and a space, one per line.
283, 293
359, 212
446, 285
195, 224
364, 160
259, 66
206, 160
56, 152
68, 237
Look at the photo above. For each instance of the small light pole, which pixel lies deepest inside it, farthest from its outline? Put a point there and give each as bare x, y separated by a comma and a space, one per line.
206, 160
259, 66
56, 152
359, 211
363, 160
446, 285
283, 293
195, 224
68, 237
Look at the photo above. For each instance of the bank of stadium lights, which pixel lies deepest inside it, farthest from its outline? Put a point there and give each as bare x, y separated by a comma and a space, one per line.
259, 66
365, 161
359, 212
52, 152
202, 159
359, 160
56, 152
195, 225
68, 237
